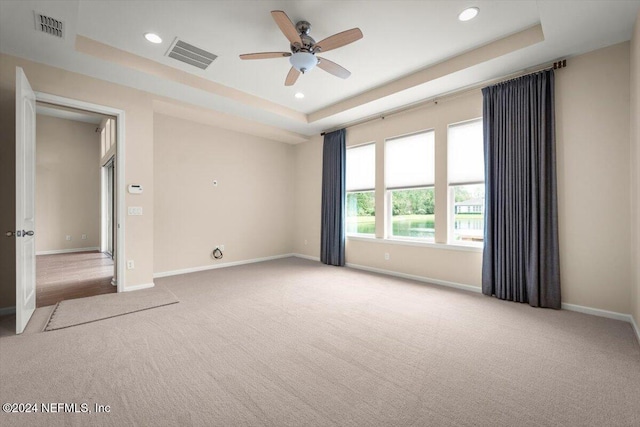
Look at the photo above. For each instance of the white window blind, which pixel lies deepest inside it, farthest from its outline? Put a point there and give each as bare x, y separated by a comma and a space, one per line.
466, 153
410, 161
361, 168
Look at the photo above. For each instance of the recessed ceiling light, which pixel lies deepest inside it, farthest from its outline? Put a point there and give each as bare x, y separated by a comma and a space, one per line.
153, 38
299, 95
468, 14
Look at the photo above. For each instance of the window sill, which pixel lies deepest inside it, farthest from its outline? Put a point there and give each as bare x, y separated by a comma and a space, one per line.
408, 242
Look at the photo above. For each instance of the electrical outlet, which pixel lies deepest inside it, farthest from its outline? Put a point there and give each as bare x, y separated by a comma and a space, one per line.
130, 265
68, 237
305, 242
84, 237
386, 256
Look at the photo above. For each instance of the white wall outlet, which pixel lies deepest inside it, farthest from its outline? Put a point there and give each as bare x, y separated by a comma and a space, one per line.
130, 265
68, 237
134, 210
84, 237
215, 182
386, 256
305, 242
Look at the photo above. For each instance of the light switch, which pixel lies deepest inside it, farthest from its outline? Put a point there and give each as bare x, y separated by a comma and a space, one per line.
135, 210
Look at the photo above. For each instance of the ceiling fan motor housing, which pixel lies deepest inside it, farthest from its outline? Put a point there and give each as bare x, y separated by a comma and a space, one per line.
308, 44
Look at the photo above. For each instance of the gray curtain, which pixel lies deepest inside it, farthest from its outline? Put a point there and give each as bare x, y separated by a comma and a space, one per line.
334, 158
521, 261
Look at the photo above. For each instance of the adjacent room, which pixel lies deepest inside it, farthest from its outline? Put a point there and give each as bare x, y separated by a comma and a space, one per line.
74, 194
319, 213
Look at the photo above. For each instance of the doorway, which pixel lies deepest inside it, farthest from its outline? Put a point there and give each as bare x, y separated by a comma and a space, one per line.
75, 201
25, 225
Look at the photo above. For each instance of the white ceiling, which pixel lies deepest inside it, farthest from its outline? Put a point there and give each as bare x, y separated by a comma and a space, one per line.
400, 38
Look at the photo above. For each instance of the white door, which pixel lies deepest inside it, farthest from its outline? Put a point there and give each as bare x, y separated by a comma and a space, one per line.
25, 200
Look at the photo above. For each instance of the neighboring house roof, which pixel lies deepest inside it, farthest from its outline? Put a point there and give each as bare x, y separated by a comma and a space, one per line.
471, 202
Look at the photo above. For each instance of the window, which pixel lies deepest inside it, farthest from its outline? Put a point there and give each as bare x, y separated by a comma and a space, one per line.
409, 177
466, 182
361, 183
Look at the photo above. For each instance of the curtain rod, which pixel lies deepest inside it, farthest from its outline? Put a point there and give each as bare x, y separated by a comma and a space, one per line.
457, 92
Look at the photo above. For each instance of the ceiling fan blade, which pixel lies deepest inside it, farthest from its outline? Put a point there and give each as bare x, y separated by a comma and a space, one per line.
338, 40
291, 77
333, 68
265, 55
286, 26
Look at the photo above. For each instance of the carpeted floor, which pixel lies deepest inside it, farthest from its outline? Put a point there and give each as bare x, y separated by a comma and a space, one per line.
293, 342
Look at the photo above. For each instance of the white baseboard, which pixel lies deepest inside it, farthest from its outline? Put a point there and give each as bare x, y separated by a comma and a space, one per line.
138, 287
67, 251
5, 311
598, 312
309, 257
221, 265
439, 282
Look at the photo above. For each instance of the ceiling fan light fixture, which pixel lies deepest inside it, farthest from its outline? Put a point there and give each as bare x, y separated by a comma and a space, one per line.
468, 14
153, 38
303, 61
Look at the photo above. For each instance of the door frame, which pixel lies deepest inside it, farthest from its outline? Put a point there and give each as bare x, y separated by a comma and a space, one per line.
120, 176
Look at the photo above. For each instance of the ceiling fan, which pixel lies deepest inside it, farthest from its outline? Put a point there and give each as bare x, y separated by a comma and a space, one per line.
304, 48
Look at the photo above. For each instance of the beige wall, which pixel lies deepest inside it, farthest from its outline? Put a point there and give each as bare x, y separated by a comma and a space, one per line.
592, 129
67, 184
138, 169
250, 212
592, 115
307, 197
635, 170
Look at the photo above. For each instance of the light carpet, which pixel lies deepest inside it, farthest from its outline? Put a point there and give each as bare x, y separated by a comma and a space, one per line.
292, 342
80, 311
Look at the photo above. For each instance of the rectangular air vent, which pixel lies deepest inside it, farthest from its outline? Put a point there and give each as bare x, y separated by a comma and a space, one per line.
49, 25
190, 54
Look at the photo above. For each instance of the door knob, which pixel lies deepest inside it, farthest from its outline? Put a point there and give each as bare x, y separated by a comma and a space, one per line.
19, 233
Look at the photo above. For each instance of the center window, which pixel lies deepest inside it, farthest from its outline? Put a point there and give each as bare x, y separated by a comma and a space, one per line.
409, 179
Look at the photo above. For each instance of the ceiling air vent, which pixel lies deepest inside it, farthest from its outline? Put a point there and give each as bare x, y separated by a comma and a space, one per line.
190, 54
49, 25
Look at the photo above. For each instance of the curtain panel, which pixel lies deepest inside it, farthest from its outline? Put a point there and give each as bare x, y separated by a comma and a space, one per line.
332, 241
521, 257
